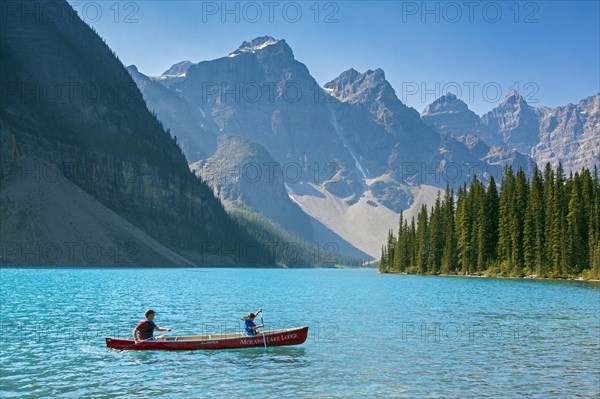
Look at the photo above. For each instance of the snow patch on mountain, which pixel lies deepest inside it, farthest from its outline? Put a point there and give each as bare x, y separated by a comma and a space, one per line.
336, 127
255, 45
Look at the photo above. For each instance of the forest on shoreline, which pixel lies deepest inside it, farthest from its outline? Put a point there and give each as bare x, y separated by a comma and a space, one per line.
547, 226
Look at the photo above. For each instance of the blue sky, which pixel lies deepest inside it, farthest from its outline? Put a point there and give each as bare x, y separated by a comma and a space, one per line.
548, 50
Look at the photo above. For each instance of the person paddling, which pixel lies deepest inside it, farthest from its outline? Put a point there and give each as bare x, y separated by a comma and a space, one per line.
249, 326
145, 328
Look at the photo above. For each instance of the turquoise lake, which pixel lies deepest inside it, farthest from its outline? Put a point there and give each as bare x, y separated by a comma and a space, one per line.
371, 335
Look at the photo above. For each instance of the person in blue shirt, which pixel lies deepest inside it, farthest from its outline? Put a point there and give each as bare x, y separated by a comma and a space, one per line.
249, 326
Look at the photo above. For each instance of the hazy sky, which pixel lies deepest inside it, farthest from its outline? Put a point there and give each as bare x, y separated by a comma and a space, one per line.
548, 50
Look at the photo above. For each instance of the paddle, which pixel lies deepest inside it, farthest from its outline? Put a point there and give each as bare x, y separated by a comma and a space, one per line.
263, 332
144, 340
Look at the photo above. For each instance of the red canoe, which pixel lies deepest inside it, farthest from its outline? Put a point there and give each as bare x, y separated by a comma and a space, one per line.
290, 336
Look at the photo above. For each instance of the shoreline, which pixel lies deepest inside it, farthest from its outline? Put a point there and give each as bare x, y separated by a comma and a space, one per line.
528, 277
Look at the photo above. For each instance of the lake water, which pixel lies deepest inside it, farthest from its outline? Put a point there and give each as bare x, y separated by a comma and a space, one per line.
371, 335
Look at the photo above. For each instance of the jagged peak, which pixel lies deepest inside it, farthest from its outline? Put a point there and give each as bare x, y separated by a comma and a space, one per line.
512, 98
377, 74
258, 43
347, 77
352, 76
349, 74
261, 44
593, 100
448, 98
448, 102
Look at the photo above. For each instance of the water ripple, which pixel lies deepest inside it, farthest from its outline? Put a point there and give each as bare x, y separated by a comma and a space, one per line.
370, 335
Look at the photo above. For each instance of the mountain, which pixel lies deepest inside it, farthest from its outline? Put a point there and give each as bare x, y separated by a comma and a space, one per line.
513, 122
392, 140
175, 113
448, 114
85, 164
243, 171
174, 74
567, 134
377, 124
261, 92
351, 154
570, 134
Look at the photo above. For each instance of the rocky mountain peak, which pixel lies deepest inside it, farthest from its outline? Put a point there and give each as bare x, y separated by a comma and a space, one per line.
355, 87
376, 76
258, 43
449, 114
446, 103
512, 98
264, 46
590, 105
346, 77
179, 69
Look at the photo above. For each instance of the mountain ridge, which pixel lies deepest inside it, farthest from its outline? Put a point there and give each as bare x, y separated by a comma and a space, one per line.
569, 134
353, 137
109, 146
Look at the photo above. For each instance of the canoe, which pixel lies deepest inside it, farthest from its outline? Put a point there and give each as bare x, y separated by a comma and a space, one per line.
290, 336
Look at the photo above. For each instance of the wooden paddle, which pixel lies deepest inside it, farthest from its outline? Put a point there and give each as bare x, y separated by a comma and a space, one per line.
263, 332
144, 340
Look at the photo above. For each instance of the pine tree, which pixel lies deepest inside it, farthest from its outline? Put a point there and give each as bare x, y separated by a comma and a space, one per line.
391, 243
407, 249
405, 259
558, 224
463, 230
577, 245
422, 241
533, 234
588, 197
549, 226
517, 221
595, 272
412, 237
594, 228
505, 221
397, 254
383, 261
549, 219
436, 234
476, 199
449, 253
398, 249
491, 216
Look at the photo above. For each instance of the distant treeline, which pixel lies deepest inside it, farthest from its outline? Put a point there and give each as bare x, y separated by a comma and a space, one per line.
285, 248
548, 226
